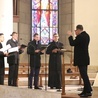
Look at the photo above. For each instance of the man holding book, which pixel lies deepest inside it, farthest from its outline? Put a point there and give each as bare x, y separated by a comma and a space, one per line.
54, 76
34, 50
13, 59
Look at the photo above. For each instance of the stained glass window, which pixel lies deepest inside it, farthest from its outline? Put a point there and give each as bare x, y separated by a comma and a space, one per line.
45, 19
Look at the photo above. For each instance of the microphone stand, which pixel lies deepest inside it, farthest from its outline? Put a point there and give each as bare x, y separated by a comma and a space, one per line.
45, 70
28, 68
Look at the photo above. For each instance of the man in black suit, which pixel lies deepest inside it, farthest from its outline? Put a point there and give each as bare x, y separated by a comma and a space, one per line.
2, 55
34, 49
81, 57
13, 60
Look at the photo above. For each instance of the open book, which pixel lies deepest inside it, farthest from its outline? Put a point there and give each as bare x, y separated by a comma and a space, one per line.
42, 48
14, 49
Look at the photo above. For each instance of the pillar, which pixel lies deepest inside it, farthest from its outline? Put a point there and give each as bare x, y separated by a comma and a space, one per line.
6, 18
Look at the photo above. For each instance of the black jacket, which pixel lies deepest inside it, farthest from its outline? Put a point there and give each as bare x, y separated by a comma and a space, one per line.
13, 58
34, 57
1, 57
81, 43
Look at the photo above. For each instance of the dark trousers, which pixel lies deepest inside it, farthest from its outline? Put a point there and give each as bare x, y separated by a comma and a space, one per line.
84, 75
1, 76
34, 73
13, 75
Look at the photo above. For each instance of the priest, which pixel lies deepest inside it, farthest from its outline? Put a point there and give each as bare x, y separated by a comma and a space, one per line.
54, 77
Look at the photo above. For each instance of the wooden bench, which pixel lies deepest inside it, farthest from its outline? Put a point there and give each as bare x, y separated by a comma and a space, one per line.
23, 72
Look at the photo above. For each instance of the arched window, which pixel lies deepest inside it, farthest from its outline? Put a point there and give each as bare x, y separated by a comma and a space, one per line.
45, 19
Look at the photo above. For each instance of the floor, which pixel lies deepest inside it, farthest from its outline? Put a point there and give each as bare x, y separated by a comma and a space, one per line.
70, 90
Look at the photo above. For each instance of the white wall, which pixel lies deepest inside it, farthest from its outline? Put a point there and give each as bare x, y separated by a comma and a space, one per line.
6, 20
86, 13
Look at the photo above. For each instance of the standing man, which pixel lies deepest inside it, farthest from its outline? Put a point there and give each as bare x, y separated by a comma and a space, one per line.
54, 76
13, 60
81, 57
34, 49
2, 55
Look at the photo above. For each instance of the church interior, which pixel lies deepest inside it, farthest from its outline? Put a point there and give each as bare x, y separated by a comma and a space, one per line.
17, 15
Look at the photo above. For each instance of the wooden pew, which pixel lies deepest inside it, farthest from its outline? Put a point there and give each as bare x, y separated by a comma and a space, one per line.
23, 72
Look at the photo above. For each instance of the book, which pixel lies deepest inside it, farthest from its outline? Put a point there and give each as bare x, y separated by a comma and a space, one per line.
14, 49
42, 48
66, 50
22, 46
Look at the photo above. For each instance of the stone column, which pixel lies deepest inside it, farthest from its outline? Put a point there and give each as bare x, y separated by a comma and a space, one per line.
6, 18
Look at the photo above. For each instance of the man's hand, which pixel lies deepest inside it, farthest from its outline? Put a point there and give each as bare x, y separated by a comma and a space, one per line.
36, 51
69, 33
22, 49
5, 53
43, 51
54, 50
19, 47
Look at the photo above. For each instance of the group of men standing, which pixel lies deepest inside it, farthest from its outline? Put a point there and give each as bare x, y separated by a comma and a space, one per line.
34, 49
12, 59
81, 59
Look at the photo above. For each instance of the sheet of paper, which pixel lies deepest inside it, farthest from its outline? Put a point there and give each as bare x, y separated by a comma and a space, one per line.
5, 48
14, 49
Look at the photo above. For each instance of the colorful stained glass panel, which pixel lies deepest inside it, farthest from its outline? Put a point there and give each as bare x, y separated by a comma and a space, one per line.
44, 35
54, 4
35, 30
45, 19
36, 4
54, 19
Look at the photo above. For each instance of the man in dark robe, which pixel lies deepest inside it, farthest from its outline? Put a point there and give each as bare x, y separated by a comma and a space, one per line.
81, 57
54, 76
34, 49
2, 55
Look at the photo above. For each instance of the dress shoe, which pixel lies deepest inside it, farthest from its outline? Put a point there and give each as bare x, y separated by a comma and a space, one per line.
37, 88
30, 87
83, 95
89, 94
